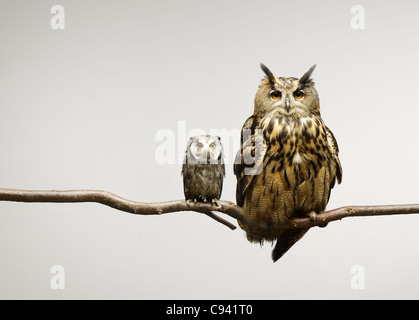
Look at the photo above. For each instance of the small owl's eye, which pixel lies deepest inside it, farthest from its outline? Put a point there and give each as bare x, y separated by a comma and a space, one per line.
298, 94
275, 95
199, 145
212, 145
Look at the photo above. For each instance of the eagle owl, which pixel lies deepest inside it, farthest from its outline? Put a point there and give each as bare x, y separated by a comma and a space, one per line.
288, 161
203, 170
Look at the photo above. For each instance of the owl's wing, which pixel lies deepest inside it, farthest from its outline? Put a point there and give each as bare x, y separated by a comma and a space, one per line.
238, 171
249, 159
184, 174
334, 148
221, 174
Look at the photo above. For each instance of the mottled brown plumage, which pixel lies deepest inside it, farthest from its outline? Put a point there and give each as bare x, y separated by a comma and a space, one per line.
288, 162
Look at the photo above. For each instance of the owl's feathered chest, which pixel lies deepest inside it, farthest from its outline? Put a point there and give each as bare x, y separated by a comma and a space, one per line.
295, 142
292, 172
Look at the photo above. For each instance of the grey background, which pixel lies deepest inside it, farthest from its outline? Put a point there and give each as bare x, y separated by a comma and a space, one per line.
80, 109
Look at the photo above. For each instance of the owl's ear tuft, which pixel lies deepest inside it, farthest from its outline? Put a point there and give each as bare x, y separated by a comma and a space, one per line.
305, 78
268, 73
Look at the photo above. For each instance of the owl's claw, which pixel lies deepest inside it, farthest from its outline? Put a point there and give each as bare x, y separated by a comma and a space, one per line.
313, 216
216, 203
189, 202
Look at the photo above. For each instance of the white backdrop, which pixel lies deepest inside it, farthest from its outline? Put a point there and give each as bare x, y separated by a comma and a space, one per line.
80, 108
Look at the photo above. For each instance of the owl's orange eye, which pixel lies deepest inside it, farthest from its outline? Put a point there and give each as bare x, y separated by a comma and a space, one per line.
298, 94
212, 145
275, 95
199, 145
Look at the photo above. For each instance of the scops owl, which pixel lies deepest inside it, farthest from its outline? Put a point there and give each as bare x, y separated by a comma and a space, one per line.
203, 169
288, 161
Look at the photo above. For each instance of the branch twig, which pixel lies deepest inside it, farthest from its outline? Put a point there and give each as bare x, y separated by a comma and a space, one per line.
226, 207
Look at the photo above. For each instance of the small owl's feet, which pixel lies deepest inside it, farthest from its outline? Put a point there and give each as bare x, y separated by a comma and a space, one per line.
216, 203
201, 198
190, 202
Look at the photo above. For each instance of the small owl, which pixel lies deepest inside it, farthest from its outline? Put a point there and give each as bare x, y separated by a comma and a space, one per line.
203, 169
288, 162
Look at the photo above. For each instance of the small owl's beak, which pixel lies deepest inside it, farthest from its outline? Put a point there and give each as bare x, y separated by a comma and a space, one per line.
287, 105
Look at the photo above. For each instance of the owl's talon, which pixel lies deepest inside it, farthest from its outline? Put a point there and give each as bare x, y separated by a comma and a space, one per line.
216, 203
313, 216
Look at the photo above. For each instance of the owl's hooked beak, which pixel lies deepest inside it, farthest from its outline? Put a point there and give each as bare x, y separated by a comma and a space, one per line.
287, 104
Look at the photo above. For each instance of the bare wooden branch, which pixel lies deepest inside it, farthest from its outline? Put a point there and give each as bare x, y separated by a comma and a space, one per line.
221, 220
226, 207
352, 211
112, 200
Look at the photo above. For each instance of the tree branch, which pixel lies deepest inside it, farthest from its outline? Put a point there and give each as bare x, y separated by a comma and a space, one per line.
226, 207
134, 207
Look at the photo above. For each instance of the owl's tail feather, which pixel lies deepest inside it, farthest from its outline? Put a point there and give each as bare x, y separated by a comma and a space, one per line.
285, 241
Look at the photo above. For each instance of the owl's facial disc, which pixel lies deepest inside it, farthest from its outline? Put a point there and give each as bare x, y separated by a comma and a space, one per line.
290, 103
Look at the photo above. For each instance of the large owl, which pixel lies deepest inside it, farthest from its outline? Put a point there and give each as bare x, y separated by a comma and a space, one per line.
288, 162
203, 170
